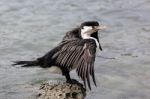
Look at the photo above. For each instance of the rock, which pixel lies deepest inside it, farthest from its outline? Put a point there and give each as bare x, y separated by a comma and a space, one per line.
62, 91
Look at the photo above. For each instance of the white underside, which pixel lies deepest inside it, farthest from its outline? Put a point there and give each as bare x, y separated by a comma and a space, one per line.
55, 69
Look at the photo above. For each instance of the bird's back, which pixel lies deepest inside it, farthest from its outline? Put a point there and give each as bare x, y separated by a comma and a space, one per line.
73, 34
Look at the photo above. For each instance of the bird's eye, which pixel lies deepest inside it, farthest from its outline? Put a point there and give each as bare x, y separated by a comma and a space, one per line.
93, 27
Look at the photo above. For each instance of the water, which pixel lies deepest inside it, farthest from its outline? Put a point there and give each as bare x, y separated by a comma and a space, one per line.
30, 28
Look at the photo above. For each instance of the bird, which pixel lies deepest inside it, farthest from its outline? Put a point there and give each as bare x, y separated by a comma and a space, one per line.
77, 50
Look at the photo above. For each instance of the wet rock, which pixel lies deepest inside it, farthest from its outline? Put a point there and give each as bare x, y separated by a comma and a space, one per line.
61, 91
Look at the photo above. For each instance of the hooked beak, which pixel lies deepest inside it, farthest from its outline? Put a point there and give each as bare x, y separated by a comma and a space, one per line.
101, 27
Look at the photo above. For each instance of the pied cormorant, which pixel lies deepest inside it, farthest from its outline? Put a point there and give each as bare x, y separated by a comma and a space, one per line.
76, 51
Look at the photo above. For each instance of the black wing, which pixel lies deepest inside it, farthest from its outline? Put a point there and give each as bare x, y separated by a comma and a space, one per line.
78, 54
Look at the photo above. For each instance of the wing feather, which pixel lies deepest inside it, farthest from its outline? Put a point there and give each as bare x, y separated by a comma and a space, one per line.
88, 78
79, 54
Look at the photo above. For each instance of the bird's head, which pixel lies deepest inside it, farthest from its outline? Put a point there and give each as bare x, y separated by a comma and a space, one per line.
90, 29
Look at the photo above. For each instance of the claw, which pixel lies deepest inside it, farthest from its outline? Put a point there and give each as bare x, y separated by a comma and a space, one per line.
72, 81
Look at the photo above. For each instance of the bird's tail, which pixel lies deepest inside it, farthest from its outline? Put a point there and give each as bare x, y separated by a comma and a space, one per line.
27, 63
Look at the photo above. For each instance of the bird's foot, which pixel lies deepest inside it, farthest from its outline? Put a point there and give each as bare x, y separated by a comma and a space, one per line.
72, 81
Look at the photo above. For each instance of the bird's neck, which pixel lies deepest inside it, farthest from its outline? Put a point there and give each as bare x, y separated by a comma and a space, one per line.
88, 36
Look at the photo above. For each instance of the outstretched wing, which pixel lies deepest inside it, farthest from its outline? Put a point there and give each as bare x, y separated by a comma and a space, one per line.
86, 64
78, 54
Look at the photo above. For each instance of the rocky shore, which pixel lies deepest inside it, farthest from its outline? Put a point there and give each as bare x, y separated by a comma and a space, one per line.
61, 91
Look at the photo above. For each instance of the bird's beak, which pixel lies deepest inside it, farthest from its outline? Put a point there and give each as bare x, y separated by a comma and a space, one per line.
101, 27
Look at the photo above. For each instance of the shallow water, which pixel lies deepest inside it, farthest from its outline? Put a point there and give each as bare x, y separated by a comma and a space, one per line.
30, 28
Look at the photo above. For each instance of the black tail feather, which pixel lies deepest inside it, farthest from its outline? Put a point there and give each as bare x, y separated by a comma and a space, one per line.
26, 63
